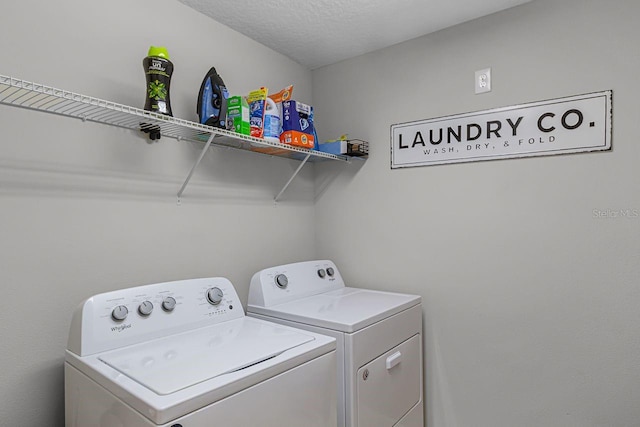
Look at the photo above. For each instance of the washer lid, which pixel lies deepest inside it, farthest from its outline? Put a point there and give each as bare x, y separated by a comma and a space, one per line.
179, 361
345, 310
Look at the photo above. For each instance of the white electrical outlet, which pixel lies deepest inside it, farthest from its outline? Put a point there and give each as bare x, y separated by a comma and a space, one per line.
483, 80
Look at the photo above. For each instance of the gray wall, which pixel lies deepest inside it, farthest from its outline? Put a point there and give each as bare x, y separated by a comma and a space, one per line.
86, 208
530, 300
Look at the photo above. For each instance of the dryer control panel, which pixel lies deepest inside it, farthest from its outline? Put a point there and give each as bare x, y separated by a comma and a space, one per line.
290, 282
129, 316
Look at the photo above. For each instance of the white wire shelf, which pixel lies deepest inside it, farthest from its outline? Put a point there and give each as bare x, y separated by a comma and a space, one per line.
35, 96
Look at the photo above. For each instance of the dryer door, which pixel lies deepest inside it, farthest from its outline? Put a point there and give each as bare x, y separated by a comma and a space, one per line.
389, 386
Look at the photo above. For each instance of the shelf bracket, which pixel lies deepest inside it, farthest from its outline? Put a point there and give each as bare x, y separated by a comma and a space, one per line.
292, 176
193, 169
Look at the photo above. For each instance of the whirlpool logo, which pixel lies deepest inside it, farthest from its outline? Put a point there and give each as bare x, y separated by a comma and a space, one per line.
120, 328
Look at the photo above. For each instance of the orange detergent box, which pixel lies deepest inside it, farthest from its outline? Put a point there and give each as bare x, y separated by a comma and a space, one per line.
297, 124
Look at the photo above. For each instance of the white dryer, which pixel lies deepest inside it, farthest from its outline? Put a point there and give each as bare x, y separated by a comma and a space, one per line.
379, 338
183, 354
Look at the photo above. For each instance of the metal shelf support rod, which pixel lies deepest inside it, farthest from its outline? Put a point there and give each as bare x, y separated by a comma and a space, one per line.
292, 176
193, 169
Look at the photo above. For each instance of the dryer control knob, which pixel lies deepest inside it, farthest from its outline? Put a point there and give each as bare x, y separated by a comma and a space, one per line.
282, 281
330, 271
119, 313
169, 303
214, 295
321, 273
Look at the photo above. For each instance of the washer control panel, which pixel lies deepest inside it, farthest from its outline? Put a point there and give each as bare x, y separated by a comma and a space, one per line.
132, 315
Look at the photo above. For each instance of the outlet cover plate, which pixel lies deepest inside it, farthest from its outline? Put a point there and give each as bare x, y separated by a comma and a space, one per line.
483, 80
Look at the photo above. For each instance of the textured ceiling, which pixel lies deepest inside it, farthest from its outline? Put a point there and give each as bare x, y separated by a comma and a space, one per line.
315, 33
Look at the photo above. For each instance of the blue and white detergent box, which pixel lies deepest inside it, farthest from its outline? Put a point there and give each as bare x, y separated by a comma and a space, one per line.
335, 147
348, 147
297, 124
256, 100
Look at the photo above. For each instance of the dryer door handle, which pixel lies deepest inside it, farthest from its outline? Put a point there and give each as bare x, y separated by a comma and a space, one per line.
393, 360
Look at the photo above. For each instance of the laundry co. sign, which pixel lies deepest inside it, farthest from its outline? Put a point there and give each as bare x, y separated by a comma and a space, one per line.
565, 125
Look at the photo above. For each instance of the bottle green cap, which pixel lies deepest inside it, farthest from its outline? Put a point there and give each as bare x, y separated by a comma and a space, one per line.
158, 51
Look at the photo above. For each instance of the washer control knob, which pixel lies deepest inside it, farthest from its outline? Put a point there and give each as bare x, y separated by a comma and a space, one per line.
282, 281
145, 308
119, 313
321, 273
169, 303
214, 296
330, 271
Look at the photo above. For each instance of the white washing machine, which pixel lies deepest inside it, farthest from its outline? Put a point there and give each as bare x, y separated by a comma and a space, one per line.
379, 338
183, 354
